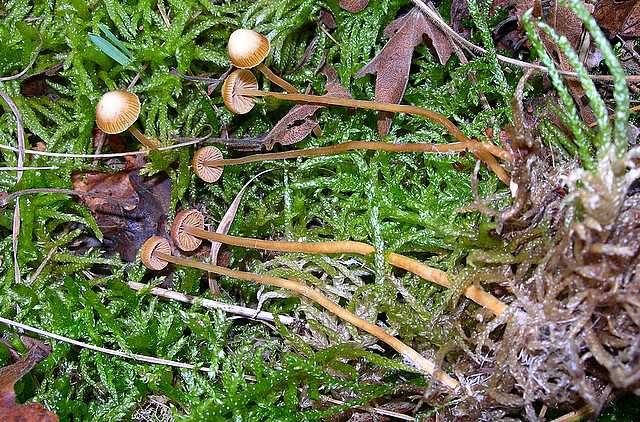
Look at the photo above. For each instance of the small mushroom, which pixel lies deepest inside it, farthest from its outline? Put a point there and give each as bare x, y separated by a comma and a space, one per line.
152, 251
202, 169
239, 95
156, 256
238, 80
188, 232
248, 49
117, 111
180, 233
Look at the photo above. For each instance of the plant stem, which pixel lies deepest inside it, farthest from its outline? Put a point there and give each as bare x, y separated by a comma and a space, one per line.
474, 293
147, 142
393, 108
364, 145
268, 73
316, 296
211, 304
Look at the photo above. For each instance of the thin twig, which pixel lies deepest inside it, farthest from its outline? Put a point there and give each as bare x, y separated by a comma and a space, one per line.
134, 356
212, 304
43, 264
28, 168
372, 409
215, 81
15, 230
112, 155
575, 415
164, 15
136, 78
437, 20
26, 69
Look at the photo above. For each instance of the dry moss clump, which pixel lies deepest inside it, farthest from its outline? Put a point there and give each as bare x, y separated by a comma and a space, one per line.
572, 333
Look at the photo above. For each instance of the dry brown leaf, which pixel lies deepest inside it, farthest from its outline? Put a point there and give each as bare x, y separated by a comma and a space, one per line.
353, 6
392, 65
298, 123
136, 209
9, 375
460, 12
619, 17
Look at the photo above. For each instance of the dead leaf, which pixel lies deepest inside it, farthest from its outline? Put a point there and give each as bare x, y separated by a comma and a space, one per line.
9, 375
459, 13
619, 17
353, 6
135, 210
37, 85
327, 19
298, 123
391, 66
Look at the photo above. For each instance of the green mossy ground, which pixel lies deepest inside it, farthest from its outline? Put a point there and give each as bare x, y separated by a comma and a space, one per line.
403, 203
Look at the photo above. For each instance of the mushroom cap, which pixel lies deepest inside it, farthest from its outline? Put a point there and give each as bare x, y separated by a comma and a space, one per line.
247, 48
149, 253
117, 111
182, 239
199, 164
238, 103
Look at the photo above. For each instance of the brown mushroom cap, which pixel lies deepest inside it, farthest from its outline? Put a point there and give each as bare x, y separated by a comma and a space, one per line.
247, 48
117, 111
238, 103
182, 239
149, 252
200, 167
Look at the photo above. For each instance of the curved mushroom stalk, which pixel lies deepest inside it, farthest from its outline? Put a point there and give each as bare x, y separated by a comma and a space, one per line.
248, 49
156, 255
117, 111
188, 232
208, 163
240, 89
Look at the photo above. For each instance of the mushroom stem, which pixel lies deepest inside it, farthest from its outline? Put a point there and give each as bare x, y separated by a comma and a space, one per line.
316, 296
268, 73
474, 293
150, 144
365, 145
390, 107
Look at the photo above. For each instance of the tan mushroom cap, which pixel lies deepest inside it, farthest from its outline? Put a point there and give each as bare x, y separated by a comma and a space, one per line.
149, 252
200, 167
182, 239
117, 111
247, 48
235, 102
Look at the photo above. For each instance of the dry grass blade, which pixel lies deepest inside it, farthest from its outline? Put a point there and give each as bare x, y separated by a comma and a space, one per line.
223, 228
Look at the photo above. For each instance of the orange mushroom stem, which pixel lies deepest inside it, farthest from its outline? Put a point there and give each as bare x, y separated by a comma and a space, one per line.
390, 107
188, 231
156, 254
240, 89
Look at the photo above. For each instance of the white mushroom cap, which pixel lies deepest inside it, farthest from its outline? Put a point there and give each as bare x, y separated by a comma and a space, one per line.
117, 111
247, 48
